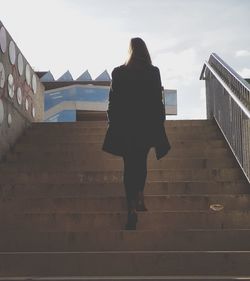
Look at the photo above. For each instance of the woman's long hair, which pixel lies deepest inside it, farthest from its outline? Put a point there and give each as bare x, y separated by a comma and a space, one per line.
138, 53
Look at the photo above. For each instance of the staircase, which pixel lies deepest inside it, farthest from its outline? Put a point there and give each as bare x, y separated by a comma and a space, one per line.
63, 208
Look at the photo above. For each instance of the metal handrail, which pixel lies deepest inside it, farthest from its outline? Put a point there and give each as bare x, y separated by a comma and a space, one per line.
230, 70
230, 92
235, 82
228, 102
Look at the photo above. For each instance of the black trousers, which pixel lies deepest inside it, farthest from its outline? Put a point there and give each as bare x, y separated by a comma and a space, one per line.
135, 173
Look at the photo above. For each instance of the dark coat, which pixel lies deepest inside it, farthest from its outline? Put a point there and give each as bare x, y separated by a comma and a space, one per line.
136, 112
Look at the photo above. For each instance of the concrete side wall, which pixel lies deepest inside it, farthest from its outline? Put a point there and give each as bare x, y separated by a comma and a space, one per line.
16, 75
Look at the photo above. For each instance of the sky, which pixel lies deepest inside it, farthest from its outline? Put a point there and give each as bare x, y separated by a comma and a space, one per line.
75, 35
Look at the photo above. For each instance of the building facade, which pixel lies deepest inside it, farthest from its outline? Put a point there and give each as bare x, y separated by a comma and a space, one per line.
64, 97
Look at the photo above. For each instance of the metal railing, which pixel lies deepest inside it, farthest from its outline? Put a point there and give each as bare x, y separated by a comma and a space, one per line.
228, 102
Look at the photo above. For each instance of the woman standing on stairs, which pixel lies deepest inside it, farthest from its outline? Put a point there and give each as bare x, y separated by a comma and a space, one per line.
136, 116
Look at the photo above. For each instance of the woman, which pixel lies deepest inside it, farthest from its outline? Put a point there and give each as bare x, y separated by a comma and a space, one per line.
136, 117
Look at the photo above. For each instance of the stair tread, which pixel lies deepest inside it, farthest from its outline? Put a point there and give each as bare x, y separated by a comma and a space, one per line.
137, 263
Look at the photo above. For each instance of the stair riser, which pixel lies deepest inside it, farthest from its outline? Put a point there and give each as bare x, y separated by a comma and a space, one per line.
196, 151
109, 204
81, 138
124, 264
102, 128
116, 177
102, 124
94, 156
129, 278
9, 191
116, 221
116, 164
84, 124
126, 241
26, 147
174, 133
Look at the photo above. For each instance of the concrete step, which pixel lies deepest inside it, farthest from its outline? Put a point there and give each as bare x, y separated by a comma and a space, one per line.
116, 164
46, 129
102, 130
129, 278
126, 278
157, 220
87, 124
9, 191
167, 123
125, 263
62, 205
76, 137
187, 240
177, 144
90, 177
94, 155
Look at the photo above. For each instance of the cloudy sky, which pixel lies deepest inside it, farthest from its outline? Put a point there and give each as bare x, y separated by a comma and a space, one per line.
76, 35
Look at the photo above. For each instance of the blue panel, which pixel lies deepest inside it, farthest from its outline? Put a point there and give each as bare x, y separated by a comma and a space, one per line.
75, 94
171, 97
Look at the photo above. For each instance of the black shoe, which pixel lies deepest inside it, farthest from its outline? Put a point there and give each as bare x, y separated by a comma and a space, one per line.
132, 220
